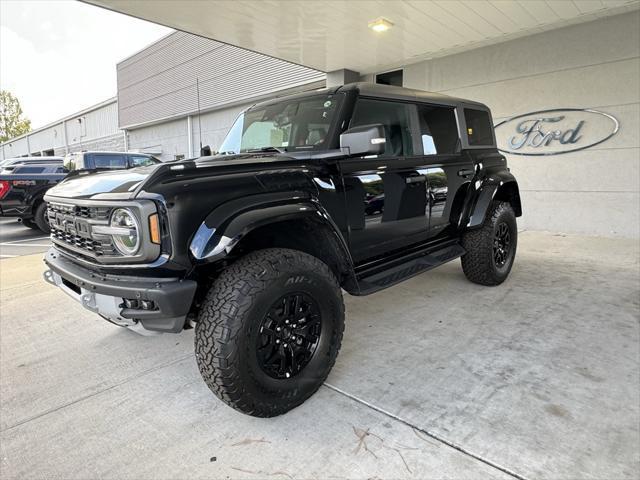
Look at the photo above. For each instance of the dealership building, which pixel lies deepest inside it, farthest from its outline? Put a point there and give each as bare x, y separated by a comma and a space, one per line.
562, 80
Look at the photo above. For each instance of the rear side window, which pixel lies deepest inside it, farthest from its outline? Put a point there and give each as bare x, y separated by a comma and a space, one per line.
109, 161
395, 119
479, 129
140, 161
438, 130
30, 169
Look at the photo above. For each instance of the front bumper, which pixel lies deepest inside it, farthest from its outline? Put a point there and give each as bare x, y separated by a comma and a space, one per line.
105, 294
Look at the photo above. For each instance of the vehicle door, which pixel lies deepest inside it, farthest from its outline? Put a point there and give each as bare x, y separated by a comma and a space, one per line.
385, 195
446, 169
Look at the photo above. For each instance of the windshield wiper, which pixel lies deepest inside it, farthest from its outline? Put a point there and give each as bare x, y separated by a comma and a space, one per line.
266, 149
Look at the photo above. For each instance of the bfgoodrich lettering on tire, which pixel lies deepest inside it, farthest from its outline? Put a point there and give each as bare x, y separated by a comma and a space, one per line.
269, 331
491, 249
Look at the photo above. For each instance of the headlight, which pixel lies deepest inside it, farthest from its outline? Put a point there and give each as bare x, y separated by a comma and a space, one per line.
127, 236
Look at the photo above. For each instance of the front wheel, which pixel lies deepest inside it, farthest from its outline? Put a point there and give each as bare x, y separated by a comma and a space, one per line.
29, 223
491, 249
269, 331
41, 218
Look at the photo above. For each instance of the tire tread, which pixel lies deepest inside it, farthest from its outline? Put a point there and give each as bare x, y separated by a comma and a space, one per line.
221, 323
477, 262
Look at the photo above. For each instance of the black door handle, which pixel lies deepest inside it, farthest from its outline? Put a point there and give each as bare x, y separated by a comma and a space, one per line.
465, 172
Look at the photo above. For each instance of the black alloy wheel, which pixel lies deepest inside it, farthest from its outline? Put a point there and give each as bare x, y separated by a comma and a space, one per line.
289, 335
501, 244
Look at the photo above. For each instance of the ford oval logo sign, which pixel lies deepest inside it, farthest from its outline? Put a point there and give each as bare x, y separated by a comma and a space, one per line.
553, 132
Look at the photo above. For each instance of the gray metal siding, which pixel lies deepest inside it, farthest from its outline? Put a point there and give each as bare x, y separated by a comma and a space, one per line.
83, 128
160, 81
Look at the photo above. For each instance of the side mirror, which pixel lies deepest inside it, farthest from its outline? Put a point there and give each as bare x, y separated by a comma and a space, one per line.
364, 140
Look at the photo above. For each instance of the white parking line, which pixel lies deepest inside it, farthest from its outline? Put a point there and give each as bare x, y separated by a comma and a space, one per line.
8, 256
25, 240
29, 245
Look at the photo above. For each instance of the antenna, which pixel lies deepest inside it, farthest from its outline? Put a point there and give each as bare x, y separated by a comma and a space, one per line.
199, 124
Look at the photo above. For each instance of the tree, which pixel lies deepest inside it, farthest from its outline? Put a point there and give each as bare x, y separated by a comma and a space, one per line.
12, 122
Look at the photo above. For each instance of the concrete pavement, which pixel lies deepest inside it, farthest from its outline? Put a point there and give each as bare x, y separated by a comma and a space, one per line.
17, 240
437, 378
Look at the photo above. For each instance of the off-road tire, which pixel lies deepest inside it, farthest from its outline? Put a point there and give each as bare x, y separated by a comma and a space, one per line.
40, 217
30, 223
231, 315
478, 262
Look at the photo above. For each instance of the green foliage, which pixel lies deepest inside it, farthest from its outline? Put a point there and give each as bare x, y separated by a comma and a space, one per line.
12, 122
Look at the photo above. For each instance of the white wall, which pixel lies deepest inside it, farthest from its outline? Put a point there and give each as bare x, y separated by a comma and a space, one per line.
167, 139
171, 138
591, 65
215, 126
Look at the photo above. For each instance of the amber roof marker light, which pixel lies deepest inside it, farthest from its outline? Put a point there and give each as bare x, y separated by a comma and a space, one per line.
380, 25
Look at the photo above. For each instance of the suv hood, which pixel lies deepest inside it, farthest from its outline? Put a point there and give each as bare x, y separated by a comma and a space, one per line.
120, 182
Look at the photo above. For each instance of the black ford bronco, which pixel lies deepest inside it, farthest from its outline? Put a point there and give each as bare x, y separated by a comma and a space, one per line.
351, 188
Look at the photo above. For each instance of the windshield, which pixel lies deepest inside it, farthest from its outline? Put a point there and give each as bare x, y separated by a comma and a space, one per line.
300, 124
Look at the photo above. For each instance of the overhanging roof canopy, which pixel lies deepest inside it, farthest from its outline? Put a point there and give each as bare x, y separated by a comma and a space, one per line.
332, 35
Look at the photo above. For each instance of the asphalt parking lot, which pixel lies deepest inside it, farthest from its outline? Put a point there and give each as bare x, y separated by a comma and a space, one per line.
437, 378
17, 240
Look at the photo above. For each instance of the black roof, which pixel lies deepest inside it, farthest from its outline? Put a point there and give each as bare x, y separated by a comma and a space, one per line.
401, 93
386, 91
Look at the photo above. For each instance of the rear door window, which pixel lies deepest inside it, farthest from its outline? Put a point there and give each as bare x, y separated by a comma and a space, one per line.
479, 129
140, 161
108, 160
30, 169
394, 117
438, 130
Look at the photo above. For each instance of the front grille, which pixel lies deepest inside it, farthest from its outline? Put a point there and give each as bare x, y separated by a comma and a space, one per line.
76, 227
96, 247
71, 226
96, 213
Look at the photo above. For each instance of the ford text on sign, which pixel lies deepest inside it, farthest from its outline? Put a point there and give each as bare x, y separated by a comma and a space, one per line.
552, 132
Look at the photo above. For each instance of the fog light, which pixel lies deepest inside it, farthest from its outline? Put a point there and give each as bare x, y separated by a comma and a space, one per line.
147, 304
130, 303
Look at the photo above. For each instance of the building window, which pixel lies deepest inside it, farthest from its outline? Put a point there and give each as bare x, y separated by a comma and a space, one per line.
479, 129
179, 157
390, 78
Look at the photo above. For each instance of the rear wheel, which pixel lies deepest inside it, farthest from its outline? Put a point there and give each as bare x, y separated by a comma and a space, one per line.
491, 249
29, 223
41, 219
269, 331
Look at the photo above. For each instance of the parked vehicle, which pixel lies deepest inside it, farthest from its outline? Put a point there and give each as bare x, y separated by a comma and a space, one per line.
254, 246
107, 160
22, 191
9, 164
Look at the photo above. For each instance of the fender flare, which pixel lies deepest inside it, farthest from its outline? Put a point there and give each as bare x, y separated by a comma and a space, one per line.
485, 193
228, 223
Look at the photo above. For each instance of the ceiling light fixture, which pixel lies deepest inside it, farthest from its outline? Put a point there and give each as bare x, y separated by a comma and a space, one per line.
380, 24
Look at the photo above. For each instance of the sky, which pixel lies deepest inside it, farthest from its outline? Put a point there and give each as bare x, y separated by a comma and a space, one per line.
58, 57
